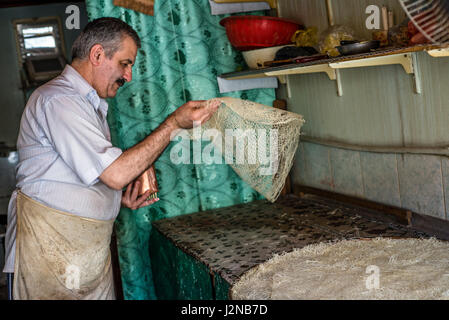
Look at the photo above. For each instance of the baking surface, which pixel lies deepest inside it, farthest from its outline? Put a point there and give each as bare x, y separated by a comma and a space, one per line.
232, 240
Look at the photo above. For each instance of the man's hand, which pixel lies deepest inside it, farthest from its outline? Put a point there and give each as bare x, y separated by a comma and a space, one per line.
131, 199
194, 111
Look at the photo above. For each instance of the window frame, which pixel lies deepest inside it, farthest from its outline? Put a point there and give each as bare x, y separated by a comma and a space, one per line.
59, 36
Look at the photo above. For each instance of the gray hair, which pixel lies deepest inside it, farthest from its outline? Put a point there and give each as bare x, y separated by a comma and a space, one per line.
108, 32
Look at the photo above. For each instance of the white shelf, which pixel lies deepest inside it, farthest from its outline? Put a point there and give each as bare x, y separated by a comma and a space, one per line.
406, 57
438, 53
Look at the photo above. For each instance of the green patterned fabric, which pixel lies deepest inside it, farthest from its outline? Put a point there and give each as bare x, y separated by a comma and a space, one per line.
178, 276
183, 49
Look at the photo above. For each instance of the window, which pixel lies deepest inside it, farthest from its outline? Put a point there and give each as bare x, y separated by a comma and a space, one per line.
38, 37
40, 48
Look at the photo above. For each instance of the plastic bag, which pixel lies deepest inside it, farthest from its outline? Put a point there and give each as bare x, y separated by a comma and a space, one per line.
399, 35
306, 38
331, 38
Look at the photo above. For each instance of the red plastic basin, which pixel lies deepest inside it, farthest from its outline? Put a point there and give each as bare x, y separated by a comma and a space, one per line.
255, 32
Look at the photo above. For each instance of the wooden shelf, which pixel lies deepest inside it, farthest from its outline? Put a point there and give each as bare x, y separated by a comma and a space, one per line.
389, 56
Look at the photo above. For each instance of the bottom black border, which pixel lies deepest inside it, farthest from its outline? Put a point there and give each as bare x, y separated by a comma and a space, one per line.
180, 309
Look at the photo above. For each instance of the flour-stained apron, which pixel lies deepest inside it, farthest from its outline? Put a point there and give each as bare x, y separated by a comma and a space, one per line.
60, 255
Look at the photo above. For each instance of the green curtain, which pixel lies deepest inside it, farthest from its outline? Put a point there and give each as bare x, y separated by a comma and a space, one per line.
183, 49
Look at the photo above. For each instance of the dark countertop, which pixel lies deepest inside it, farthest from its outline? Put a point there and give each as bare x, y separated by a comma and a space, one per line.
230, 241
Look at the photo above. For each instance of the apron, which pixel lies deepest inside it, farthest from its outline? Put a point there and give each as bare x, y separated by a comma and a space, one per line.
61, 256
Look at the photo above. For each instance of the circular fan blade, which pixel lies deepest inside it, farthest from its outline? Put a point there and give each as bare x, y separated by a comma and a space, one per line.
431, 18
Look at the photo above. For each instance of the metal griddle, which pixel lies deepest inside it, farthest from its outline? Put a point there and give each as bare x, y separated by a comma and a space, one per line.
230, 241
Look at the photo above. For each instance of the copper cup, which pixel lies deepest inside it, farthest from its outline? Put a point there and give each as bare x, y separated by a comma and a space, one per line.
148, 182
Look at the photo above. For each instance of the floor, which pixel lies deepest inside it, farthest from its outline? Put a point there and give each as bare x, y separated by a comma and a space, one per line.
3, 290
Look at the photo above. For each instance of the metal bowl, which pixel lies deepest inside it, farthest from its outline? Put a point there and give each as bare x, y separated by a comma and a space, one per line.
358, 47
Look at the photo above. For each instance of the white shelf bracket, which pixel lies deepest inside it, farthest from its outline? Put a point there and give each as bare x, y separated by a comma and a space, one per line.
339, 86
301, 70
289, 91
403, 59
416, 74
408, 61
282, 78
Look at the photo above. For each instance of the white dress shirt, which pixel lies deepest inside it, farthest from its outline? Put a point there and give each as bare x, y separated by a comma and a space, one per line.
64, 145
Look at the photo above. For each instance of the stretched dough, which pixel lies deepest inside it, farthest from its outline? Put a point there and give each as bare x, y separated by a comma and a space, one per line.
259, 142
381, 268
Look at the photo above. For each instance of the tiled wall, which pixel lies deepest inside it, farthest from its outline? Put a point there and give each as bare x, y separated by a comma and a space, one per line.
378, 108
419, 183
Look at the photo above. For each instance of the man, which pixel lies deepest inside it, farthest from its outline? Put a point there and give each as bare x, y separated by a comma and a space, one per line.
69, 176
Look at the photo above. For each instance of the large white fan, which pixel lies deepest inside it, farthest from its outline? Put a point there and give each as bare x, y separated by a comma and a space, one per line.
431, 17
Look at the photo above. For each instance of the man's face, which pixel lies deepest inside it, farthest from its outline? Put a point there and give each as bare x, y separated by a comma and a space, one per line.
114, 72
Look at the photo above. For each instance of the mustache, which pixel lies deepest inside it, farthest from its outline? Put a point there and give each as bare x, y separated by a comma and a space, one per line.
121, 81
